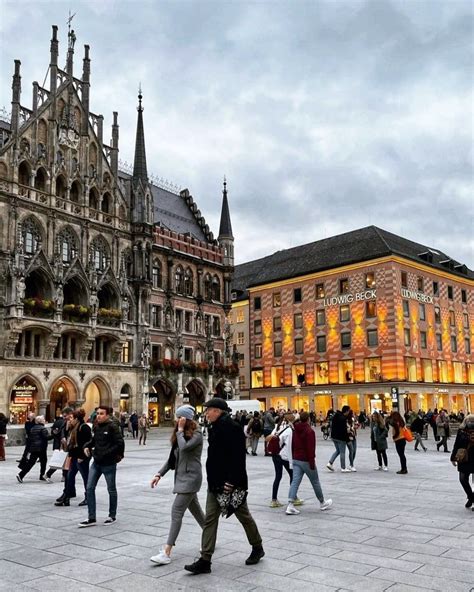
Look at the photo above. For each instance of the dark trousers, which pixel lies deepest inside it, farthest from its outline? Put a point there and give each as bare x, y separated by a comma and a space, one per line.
382, 456
400, 446
209, 533
109, 472
443, 442
278, 464
83, 469
464, 480
31, 460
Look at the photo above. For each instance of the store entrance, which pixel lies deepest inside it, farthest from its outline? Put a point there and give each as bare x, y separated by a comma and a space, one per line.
23, 400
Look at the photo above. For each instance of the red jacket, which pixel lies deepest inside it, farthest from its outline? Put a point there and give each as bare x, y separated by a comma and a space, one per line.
303, 444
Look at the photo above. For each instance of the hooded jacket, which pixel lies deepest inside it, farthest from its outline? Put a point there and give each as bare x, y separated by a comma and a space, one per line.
339, 427
303, 445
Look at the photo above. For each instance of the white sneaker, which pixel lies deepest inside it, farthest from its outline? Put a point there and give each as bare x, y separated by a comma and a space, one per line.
385, 468
346, 471
353, 469
330, 467
377, 468
326, 504
161, 559
291, 510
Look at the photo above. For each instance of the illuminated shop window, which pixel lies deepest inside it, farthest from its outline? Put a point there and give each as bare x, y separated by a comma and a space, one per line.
427, 370
321, 373
443, 371
277, 375
470, 373
458, 372
257, 378
346, 371
298, 374
410, 369
373, 369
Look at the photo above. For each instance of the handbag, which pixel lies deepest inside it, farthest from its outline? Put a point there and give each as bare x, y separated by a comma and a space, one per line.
58, 459
406, 433
67, 464
461, 455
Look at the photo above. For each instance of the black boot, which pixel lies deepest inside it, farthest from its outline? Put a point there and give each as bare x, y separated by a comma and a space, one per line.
83, 503
255, 556
61, 498
64, 502
201, 566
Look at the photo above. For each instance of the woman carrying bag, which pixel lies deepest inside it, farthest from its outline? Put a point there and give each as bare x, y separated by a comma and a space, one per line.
283, 459
185, 460
462, 456
79, 434
398, 434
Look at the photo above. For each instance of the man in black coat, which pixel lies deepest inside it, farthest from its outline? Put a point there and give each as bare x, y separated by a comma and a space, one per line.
226, 473
340, 437
37, 449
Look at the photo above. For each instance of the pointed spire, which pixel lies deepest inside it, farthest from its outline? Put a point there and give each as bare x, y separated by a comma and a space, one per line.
225, 228
139, 164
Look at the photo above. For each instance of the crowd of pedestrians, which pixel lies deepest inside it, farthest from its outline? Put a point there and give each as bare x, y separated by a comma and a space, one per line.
93, 448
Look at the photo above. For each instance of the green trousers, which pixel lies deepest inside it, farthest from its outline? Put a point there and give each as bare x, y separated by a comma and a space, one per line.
209, 532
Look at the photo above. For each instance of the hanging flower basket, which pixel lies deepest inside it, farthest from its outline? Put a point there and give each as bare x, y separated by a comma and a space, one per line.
39, 307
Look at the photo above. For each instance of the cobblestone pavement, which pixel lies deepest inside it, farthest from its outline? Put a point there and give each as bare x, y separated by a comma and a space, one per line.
402, 533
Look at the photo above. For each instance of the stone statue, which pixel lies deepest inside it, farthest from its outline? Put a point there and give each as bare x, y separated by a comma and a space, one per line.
125, 308
20, 289
59, 297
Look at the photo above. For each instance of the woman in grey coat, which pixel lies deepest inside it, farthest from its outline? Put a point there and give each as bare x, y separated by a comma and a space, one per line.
185, 460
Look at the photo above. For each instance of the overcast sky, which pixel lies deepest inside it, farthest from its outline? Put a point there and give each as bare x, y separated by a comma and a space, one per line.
325, 116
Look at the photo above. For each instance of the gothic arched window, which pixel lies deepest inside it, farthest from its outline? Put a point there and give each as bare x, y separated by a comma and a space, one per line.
188, 282
93, 198
106, 203
216, 288
75, 192
40, 179
24, 173
99, 253
207, 287
31, 233
67, 243
61, 187
179, 280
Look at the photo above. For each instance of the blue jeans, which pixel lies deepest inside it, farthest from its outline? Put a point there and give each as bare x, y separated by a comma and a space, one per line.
352, 446
95, 471
301, 468
83, 468
340, 450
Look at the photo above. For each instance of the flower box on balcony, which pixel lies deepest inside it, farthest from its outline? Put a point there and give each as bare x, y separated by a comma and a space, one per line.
39, 307
76, 313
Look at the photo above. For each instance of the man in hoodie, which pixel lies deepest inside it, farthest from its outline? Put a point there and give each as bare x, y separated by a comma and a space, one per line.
340, 437
107, 448
303, 448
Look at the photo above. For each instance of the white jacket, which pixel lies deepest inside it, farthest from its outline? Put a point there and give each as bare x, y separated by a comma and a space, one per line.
285, 435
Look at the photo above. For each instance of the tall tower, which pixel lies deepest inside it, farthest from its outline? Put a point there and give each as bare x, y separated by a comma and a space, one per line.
142, 211
226, 241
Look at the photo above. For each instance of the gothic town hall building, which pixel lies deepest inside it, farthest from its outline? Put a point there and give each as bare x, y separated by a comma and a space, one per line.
113, 289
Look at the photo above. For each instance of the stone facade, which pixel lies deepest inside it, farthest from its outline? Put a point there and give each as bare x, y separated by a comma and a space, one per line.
100, 301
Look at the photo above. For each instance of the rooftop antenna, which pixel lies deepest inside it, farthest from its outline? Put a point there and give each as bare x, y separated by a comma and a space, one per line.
71, 16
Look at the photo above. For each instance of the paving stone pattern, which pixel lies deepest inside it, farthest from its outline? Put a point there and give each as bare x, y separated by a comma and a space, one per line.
385, 532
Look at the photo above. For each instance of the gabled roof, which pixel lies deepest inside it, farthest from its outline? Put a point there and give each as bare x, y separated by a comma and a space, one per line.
356, 246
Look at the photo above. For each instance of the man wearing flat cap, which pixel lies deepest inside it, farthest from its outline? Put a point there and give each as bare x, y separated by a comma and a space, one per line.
227, 485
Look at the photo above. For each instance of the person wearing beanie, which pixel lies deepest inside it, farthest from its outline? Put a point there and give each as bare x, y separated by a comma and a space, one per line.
185, 460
